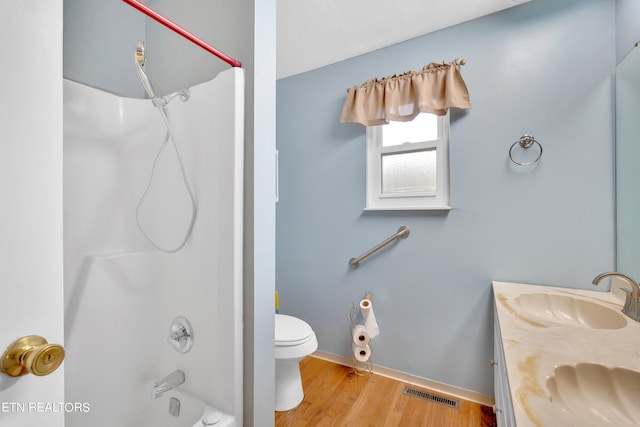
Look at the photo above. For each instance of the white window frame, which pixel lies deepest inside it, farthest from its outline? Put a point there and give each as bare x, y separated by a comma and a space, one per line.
376, 200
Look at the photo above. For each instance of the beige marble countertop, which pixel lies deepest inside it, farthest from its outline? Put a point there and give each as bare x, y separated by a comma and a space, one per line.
534, 346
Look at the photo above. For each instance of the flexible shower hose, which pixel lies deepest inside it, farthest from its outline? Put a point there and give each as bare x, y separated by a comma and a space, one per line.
164, 112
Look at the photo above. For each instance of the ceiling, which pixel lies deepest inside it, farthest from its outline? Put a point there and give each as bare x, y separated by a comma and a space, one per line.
315, 33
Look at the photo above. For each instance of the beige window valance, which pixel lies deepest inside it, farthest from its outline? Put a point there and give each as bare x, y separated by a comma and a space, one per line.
434, 89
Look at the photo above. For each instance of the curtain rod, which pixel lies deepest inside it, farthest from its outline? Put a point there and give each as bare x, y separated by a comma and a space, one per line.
184, 33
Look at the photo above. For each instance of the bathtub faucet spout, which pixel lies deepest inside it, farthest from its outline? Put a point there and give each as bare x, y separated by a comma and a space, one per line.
169, 382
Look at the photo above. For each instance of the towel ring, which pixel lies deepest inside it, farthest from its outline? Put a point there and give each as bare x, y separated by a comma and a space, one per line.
525, 142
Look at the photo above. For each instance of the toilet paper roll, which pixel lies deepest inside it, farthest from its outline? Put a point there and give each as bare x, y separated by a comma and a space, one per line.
362, 353
370, 324
360, 335
365, 307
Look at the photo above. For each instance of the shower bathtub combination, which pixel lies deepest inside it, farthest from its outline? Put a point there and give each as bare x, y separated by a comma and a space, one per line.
152, 234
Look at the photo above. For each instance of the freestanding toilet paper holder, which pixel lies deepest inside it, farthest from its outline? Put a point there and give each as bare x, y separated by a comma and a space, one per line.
359, 367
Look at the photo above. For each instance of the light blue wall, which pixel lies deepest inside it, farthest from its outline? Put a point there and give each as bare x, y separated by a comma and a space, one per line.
99, 43
543, 68
175, 62
628, 156
627, 148
627, 18
100, 39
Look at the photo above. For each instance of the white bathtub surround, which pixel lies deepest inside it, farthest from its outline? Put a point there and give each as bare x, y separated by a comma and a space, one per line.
581, 336
121, 293
180, 409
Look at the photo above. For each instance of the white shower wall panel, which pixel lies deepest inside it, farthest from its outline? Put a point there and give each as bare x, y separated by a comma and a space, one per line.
121, 293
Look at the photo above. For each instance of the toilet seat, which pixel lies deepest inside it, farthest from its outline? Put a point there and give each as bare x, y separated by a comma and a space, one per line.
291, 331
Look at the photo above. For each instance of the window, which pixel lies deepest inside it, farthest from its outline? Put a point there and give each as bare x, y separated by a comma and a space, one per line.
408, 164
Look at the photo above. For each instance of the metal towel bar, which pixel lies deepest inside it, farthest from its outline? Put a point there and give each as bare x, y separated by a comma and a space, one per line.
403, 232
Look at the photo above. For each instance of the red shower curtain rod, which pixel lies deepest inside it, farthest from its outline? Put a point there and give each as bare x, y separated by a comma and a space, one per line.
184, 33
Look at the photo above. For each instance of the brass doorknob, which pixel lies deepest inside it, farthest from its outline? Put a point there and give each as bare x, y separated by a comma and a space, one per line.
31, 354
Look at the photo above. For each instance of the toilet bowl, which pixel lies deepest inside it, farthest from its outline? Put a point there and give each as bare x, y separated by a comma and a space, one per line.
294, 341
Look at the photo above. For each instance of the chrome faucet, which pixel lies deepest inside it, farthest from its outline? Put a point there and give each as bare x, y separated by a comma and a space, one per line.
632, 302
169, 382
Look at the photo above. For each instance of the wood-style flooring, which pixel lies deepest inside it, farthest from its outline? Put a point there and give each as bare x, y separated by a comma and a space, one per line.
332, 399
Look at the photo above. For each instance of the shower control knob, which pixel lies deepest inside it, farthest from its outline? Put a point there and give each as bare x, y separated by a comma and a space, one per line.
31, 355
181, 335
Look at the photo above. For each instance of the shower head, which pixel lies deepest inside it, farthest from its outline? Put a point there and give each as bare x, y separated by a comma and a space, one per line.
140, 58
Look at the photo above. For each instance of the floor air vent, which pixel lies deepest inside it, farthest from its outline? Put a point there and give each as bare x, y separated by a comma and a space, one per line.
425, 395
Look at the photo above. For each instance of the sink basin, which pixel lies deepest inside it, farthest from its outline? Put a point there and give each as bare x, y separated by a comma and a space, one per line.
590, 394
566, 310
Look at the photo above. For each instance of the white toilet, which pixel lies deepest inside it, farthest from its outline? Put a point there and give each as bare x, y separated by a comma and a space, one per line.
294, 341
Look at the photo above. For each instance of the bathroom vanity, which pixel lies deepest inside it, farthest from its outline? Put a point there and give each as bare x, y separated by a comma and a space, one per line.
564, 357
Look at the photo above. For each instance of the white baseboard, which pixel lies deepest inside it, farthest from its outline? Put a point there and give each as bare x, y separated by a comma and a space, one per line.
447, 389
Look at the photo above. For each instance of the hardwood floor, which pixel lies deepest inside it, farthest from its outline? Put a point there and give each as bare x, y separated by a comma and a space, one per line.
331, 399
